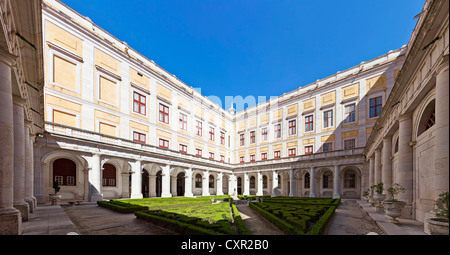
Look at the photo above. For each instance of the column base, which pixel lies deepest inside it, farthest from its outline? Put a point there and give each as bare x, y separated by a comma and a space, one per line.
24, 209
140, 195
95, 198
312, 194
11, 222
166, 194
335, 196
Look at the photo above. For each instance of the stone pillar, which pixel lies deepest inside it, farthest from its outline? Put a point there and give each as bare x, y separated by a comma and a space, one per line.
125, 184
405, 163
274, 184
19, 158
441, 149
372, 171
259, 187
136, 180
188, 183
173, 186
336, 182
95, 193
165, 179
152, 185
312, 190
292, 183
29, 173
377, 166
246, 185
219, 188
386, 170
86, 183
232, 186
10, 217
205, 184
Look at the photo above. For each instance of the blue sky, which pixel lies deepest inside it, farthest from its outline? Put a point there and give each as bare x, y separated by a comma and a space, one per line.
255, 47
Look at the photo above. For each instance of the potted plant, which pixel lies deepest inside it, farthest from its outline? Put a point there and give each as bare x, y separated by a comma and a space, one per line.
371, 200
55, 197
439, 225
393, 207
366, 195
379, 196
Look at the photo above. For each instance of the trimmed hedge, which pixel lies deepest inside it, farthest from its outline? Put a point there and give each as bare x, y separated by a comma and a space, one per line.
121, 207
238, 222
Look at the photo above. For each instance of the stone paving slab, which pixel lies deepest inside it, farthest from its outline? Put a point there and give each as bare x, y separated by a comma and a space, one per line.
256, 224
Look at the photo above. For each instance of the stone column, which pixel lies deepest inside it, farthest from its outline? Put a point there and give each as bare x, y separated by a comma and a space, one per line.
274, 184
386, 170
259, 187
188, 183
95, 193
292, 183
371, 171
246, 185
165, 179
232, 186
86, 183
125, 184
377, 166
405, 163
19, 158
219, 188
312, 190
441, 149
29, 173
136, 179
336, 182
205, 184
10, 217
173, 186
152, 185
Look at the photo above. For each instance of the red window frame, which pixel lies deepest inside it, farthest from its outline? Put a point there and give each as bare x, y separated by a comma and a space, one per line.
211, 155
375, 106
328, 147
139, 103
252, 158
277, 154
183, 148
222, 138
350, 113
199, 128
328, 118
309, 123
163, 113
264, 134
252, 137
349, 144
198, 152
292, 152
183, 122
292, 127
139, 137
308, 149
211, 133
163, 143
241, 159
277, 133
222, 158
264, 156
241, 139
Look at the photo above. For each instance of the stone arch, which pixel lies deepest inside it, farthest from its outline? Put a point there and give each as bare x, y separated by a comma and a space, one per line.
350, 186
326, 183
426, 118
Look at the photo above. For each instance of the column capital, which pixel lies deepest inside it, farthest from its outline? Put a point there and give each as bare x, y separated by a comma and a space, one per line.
404, 116
7, 58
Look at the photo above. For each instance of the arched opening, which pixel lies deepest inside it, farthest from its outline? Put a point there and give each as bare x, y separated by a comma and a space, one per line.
265, 182
211, 182
145, 183
158, 183
64, 172
180, 184
327, 180
350, 179
109, 175
307, 182
239, 186
427, 119
252, 182
198, 180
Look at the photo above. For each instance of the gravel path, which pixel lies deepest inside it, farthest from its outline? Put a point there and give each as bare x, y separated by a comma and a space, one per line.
256, 224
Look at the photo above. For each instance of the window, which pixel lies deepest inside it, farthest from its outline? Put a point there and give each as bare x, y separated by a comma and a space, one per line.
222, 158
183, 122
183, 148
109, 175
292, 127
198, 152
327, 180
211, 155
350, 179
430, 121
163, 143
327, 147
252, 158
264, 156
264, 134
242, 139
198, 181
163, 113
309, 149
211, 182
375, 107
309, 123
277, 129
64, 172
350, 113
264, 182
292, 152
252, 182
211, 133
241, 159
199, 128
277, 154
252, 137
138, 103
138, 137
328, 118
307, 181
222, 138
349, 144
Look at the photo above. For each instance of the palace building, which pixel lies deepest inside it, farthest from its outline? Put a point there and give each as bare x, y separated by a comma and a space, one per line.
82, 108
